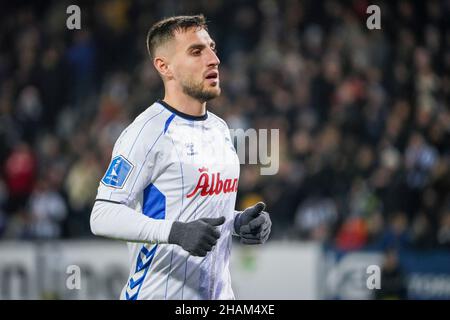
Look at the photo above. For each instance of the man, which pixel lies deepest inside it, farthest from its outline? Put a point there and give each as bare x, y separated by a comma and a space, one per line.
170, 189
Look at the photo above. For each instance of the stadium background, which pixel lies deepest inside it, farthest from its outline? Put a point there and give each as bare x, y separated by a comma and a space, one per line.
364, 123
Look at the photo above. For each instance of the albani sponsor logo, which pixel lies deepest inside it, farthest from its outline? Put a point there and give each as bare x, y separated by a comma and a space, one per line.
209, 185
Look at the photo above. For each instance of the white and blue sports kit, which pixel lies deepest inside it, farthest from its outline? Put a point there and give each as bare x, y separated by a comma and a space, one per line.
169, 166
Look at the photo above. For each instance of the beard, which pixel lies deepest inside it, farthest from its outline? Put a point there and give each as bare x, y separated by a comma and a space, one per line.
198, 92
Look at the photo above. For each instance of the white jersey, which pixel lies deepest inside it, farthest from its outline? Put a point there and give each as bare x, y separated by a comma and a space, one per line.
173, 166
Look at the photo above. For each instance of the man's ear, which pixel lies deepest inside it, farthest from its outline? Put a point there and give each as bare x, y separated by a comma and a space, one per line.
162, 67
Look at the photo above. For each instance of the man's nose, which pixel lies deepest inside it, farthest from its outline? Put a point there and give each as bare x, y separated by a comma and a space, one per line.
213, 59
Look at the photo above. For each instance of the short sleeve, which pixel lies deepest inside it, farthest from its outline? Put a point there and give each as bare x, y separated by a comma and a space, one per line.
133, 162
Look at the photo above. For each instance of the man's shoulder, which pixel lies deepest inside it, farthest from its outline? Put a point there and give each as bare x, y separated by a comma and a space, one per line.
217, 119
154, 113
150, 123
151, 119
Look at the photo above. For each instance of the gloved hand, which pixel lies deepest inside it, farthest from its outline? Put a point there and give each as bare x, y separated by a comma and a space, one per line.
253, 224
196, 237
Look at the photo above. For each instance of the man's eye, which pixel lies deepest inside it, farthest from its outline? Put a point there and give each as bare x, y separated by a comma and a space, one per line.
196, 52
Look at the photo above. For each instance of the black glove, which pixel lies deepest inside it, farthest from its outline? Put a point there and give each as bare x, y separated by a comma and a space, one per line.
253, 224
196, 237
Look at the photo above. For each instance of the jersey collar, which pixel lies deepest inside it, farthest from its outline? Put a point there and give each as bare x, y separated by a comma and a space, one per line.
182, 114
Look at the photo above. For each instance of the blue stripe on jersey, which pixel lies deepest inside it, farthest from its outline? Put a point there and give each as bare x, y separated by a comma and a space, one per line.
154, 205
186, 264
131, 149
142, 128
178, 217
154, 143
168, 121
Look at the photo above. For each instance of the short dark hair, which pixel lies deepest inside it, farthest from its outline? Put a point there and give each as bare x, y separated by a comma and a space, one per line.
164, 30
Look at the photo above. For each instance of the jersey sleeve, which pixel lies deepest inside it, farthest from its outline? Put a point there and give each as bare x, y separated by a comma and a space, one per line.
117, 221
133, 163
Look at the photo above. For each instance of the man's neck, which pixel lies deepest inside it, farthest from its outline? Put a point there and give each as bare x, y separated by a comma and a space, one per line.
186, 104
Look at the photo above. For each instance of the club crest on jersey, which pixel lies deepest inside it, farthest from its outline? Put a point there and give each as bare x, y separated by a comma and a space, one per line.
212, 184
118, 172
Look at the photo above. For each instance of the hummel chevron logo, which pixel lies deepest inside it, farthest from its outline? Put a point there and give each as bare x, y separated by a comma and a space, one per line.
143, 262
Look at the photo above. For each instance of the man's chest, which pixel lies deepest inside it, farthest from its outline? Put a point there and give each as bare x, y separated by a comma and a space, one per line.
202, 159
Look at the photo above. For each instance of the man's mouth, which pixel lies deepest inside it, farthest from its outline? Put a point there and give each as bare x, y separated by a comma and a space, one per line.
212, 75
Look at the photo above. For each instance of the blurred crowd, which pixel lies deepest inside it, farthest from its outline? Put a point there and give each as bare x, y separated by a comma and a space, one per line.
364, 115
